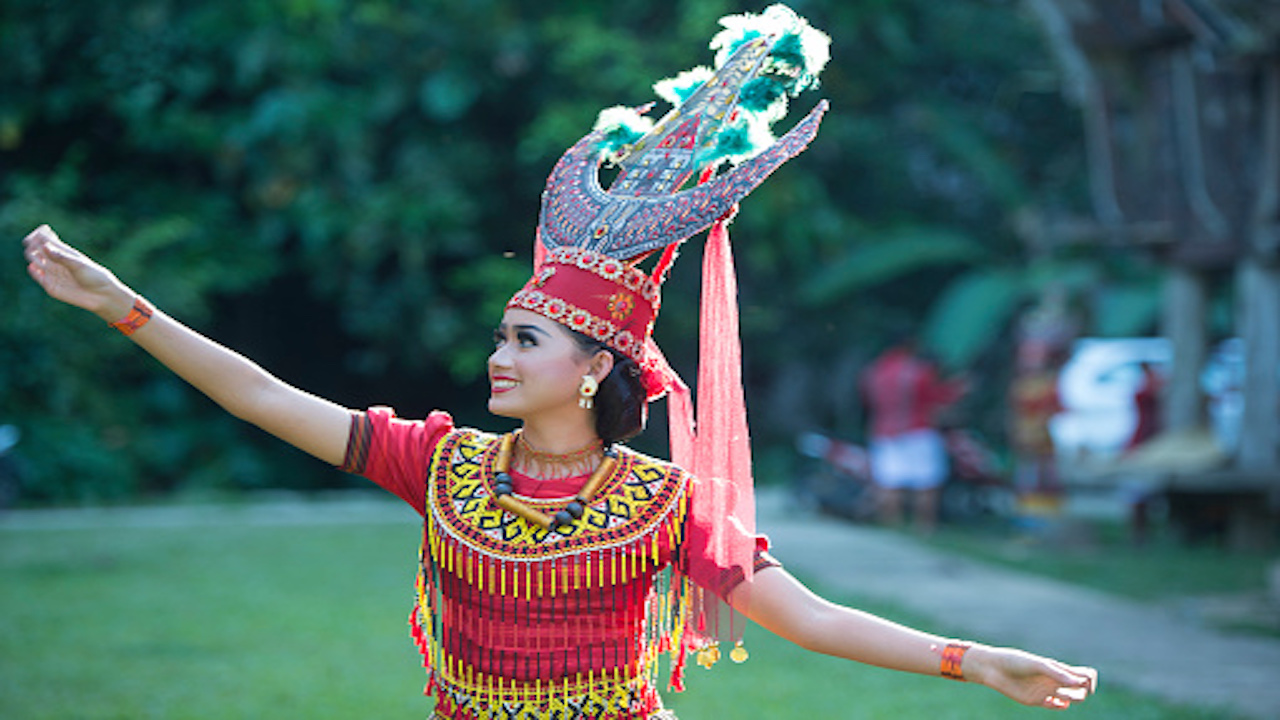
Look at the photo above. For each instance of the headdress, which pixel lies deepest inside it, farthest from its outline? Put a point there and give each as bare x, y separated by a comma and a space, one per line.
591, 240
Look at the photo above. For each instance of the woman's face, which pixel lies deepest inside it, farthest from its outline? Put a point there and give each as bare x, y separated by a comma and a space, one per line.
536, 367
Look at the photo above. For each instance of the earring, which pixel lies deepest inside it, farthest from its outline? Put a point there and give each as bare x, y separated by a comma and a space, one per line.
587, 391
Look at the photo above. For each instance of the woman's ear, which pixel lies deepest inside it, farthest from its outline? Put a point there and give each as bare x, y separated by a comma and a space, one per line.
601, 365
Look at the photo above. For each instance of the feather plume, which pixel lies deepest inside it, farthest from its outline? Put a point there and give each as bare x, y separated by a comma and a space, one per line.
621, 126
739, 140
677, 89
800, 51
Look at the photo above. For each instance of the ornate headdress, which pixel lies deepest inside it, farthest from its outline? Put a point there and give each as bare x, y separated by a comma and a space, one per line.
591, 240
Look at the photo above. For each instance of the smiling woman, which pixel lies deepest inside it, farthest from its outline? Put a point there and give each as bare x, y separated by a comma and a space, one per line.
536, 372
557, 567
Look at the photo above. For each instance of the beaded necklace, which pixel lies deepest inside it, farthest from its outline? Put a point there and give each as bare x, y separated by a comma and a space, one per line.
539, 464
503, 489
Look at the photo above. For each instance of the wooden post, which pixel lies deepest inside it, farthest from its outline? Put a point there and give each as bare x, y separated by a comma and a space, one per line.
1259, 300
1184, 324
1258, 293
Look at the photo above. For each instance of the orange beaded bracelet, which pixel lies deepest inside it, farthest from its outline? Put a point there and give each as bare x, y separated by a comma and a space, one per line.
138, 316
952, 657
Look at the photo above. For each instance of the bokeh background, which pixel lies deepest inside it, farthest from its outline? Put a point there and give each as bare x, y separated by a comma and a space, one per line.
347, 192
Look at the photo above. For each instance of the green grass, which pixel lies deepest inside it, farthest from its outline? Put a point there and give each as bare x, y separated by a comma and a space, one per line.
1101, 555
309, 621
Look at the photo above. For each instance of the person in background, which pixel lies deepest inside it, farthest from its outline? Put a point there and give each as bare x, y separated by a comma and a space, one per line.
1033, 402
1146, 405
904, 394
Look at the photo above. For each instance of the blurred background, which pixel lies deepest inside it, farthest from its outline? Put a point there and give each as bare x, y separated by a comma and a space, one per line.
1073, 207
346, 192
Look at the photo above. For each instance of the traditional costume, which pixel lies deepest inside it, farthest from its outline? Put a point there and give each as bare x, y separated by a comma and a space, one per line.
557, 598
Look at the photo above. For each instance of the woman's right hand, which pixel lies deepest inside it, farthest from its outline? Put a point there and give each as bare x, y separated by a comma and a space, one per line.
69, 275
241, 387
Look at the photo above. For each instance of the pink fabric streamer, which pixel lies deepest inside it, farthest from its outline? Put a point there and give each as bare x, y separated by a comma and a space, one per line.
721, 444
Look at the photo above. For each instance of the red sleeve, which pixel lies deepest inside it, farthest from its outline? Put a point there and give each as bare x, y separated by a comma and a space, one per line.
395, 453
706, 571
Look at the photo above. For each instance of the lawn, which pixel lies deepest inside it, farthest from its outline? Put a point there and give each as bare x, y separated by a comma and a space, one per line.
1223, 587
242, 621
1102, 554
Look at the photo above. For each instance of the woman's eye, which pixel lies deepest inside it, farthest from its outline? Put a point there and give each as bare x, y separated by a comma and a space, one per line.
526, 339
498, 339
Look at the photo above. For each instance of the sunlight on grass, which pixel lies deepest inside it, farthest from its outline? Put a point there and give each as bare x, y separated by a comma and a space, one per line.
309, 621
1102, 555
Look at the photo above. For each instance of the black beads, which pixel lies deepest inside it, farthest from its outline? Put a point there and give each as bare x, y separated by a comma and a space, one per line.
564, 518
575, 509
502, 484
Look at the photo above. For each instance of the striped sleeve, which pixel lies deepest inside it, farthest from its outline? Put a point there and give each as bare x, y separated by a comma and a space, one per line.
361, 433
394, 453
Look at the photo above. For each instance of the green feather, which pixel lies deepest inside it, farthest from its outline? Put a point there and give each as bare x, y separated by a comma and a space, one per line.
760, 94
619, 128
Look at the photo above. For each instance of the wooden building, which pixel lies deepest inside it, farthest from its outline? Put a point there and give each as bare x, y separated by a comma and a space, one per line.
1180, 101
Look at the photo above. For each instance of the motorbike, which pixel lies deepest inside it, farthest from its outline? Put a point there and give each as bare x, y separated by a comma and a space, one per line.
835, 478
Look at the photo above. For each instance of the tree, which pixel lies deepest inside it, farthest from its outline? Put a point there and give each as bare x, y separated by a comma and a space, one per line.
347, 192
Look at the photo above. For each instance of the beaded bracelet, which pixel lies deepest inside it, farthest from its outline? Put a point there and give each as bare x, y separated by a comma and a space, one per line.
138, 316
952, 657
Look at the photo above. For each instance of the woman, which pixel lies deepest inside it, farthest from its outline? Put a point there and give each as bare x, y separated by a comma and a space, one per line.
557, 566
536, 373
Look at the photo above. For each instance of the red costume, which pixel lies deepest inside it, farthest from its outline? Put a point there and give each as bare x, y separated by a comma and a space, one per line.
542, 623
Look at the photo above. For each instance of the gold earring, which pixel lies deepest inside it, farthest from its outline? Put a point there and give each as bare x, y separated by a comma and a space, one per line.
587, 391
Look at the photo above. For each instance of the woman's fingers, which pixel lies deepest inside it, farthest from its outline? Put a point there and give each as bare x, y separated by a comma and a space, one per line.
1074, 685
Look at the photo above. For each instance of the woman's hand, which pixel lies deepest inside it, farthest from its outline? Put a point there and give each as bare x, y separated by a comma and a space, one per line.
69, 275
1029, 679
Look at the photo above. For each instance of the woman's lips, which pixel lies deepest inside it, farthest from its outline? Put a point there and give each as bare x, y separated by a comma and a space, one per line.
500, 385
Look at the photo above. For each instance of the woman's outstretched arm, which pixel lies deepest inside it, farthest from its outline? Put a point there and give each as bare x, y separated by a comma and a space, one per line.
310, 423
781, 604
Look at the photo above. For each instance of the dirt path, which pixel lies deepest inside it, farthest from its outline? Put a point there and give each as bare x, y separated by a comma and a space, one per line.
1137, 646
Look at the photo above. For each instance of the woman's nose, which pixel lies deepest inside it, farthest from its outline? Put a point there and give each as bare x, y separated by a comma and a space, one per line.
498, 358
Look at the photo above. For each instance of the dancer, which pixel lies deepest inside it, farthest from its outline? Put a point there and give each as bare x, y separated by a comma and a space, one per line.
556, 564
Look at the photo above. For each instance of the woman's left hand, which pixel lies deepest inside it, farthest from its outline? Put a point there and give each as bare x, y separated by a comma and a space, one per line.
1029, 679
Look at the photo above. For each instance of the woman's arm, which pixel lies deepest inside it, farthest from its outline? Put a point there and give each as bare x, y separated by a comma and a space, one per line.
780, 603
305, 421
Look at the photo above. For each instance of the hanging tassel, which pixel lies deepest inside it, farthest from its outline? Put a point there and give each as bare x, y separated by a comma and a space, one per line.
467, 558
431, 686
677, 672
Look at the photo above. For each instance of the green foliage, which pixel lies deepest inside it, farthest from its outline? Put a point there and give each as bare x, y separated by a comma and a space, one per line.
890, 255
347, 192
971, 314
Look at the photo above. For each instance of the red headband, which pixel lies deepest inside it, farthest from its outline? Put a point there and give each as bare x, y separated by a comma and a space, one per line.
595, 295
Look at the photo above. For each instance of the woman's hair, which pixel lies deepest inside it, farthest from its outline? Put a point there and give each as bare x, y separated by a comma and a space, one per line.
620, 403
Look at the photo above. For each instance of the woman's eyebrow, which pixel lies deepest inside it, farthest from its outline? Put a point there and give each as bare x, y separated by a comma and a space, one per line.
503, 328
